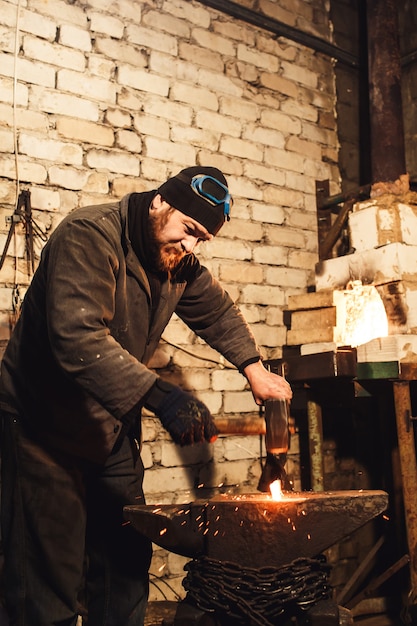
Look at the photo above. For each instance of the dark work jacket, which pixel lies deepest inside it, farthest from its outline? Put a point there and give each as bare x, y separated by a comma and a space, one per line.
76, 364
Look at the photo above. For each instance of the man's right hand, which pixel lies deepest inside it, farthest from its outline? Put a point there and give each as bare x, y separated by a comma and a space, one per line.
186, 418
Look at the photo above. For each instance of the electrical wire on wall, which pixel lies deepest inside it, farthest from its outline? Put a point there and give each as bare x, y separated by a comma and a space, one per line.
23, 211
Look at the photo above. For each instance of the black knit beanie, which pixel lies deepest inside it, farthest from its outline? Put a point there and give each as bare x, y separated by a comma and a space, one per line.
177, 191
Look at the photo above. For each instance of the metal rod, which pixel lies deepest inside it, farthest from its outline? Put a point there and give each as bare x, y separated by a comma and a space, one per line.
407, 451
282, 30
240, 425
315, 435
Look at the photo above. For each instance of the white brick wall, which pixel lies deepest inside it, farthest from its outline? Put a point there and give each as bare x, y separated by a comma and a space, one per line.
111, 102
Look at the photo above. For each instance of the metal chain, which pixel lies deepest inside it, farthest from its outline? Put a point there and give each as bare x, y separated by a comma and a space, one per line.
258, 595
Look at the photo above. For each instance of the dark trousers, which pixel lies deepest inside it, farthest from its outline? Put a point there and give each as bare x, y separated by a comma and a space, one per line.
64, 536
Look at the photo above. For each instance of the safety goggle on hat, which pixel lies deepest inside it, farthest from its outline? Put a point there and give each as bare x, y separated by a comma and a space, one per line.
200, 192
213, 191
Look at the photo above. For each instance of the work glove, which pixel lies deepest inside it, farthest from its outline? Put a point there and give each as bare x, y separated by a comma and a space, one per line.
186, 418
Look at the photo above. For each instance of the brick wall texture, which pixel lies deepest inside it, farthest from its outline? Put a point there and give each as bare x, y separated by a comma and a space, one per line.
103, 98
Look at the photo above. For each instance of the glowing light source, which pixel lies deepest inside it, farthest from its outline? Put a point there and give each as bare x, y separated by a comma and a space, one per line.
276, 491
362, 316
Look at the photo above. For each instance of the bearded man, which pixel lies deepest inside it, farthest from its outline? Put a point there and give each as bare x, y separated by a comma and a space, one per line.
74, 379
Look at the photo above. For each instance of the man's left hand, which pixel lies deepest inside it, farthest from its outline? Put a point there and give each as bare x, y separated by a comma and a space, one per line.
266, 385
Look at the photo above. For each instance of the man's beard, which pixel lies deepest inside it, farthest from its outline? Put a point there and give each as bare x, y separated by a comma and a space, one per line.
164, 257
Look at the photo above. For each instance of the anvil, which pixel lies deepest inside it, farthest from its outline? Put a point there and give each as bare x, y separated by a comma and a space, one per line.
254, 530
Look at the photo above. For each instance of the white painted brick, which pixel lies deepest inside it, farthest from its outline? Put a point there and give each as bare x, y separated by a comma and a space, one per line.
241, 148
7, 192
44, 199
121, 51
127, 139
281, 121
265, 136
245, 188
167, 23
6, 293
262, 295
8, 13
69, 178
284, 197
151, 126
6, 91
29, 172
63, 104
270, 255
61, 10
7, 39
196, 14
219, 82
196, 380
239, 448
268, 214
250, 55
119, 118
170, 479
269, 336
122, 186
97, 182
154, 170
229, 380
304, 111
47, 52
167, 110
196, 96
50, 149
142, 80
146, 455
238, 108
106, 24
174, 455
37, 24
284, 160
6, 140
299, 74
195, 137
167, 65
75, 37
212, 400
85, 131
239, 402
228, 249
287, 277
229, 474
264, 173
114, 161
251, 313
99, 66
242, 229
302, 259
167, 151
207, 39
178, 333
287, 236
313, 132
152, 39
218, 123
300, 219
31, 72
274, 317
236, 30
306, 148
24, 118
200, 56
92, 87
279, 84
